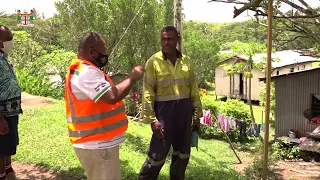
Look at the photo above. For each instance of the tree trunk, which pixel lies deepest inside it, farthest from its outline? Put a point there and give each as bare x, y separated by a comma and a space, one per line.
249, 101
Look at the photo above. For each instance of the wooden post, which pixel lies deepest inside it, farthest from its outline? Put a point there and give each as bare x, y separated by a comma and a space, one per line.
268, 79
178, 20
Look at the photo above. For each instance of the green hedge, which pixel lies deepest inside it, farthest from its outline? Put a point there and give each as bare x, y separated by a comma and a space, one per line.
232, 108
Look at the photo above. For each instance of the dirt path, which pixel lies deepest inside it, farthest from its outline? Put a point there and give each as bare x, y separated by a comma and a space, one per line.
32, 172
34, 101
291, 170
298, 170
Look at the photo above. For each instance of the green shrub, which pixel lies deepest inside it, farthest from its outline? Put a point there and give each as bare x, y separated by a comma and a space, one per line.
59, 60
235, 108
32, 62
131, 107
37, 84
210, 104
285, 150
206, 85
209, 132
232, 108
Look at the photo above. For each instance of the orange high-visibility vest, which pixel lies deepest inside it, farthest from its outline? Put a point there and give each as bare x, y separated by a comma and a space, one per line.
89, 121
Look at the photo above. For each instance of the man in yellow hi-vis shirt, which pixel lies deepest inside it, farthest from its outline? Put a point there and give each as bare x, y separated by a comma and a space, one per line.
171, 103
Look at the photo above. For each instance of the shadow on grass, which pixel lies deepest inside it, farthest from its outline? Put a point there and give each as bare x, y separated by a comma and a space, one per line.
136, 144
43, 172
127, 172
202, 170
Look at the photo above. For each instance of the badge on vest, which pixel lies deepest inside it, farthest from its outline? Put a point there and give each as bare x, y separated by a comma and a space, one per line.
100, 87
185, 68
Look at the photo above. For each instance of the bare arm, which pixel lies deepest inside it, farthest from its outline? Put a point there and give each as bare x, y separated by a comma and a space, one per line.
118, 92
121, 90
93, 83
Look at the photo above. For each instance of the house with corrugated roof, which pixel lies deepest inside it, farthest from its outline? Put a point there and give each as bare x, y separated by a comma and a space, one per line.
297, 96
236, 85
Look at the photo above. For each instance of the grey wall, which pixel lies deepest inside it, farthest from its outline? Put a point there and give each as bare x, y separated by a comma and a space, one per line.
293, 96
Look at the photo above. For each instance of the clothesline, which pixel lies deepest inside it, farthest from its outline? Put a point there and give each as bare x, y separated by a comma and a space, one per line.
227, 124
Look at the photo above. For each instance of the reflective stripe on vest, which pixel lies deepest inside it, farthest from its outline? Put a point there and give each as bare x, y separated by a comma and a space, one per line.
93, 121
172, 97
94, 117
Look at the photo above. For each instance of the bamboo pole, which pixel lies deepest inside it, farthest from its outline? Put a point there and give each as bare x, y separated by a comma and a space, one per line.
178, 21
268, 79
229, 141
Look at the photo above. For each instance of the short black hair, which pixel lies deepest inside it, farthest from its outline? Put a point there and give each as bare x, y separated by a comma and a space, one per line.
170, 28
89, 40
3, 28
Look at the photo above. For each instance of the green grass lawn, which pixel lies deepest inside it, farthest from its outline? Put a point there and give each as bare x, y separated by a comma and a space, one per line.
44, 141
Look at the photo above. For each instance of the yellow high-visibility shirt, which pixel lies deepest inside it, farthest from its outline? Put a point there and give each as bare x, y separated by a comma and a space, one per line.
164, 81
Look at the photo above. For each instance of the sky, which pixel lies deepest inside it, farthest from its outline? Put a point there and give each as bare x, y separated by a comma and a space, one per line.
199, 10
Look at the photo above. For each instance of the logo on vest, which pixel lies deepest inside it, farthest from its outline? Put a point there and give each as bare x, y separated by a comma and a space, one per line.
100, 87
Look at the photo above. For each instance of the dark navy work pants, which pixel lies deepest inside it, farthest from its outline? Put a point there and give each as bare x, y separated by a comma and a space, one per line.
175, 118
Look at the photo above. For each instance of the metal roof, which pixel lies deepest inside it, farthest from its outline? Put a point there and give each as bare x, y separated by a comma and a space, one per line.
290, 73
286, 57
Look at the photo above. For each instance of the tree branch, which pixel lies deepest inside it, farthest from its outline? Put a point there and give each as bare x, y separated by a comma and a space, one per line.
299, 8
226, 1
246, 6
252, 4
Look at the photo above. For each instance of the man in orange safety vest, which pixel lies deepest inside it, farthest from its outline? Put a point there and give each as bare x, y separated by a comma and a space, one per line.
96, 115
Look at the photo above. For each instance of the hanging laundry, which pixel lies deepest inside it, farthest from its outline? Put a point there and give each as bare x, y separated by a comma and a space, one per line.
220, 121
223, 122
206, 119
242, 126
254, 129
232, 123
226, 124
262, 127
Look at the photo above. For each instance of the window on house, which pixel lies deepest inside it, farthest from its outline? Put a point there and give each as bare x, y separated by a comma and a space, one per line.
315, 105
278, 72
292, 69
302, 67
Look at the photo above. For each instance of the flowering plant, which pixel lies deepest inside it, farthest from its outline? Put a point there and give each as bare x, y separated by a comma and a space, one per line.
203, 92
135, 98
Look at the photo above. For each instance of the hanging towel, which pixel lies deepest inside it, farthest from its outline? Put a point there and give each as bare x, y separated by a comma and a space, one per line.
206, 119
233, 123
262, 127
226, 124
220, 120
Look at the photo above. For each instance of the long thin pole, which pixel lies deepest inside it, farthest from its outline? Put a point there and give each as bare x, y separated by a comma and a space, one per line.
268, 79
229, 141
177, 4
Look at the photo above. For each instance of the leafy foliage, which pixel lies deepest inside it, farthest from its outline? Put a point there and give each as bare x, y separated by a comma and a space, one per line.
203, 50
297, 27
232, 108
262, 96
32, 62
140, 41
285, 150
235, 108
37, 84
59, 60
